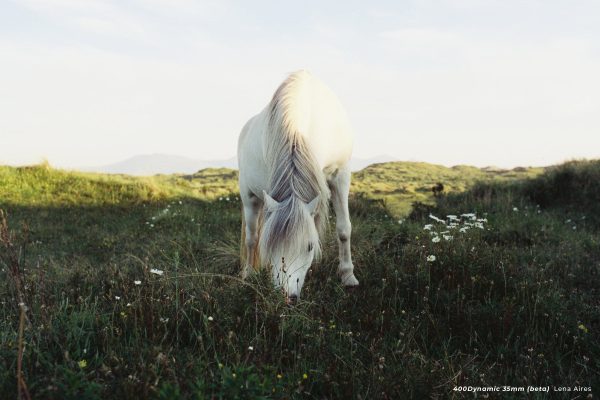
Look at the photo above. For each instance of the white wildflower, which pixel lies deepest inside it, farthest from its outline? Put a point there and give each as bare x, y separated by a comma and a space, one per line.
431, 258
210, 318
117, 297
164, 320
463, 229
156, 271
435, 239
428, 227
451, 217
250, 348
515, 209
448, 237
137, 282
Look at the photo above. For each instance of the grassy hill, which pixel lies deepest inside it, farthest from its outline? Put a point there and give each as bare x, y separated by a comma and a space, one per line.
400, 184
131, 288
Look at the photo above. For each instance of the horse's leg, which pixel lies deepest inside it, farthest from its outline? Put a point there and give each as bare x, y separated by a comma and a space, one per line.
340, 188
252, 205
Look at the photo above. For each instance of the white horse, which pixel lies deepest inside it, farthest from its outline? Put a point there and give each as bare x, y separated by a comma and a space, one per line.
293, 157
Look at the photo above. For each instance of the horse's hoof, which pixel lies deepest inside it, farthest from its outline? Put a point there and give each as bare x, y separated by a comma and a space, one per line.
349, 281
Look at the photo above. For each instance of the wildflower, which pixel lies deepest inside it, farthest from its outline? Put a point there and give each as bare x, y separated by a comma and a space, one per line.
279, 376
583, 328
137, 282
431, 258
451, 217
428, 227
400, 221
227, 198
156, 271
210, 318
515, 209
117, 297
164, 320
250, 348
463, 229
82, 364
448, 237
435, 239
305, 376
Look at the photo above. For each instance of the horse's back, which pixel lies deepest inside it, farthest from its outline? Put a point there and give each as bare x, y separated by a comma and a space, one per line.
319, 117
314, 112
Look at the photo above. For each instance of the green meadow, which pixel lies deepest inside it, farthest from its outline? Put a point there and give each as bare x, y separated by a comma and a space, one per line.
120, 287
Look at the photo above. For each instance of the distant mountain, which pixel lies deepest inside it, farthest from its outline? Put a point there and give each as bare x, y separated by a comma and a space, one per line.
152, 164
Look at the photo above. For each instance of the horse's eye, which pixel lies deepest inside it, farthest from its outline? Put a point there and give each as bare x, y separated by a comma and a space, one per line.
310, 247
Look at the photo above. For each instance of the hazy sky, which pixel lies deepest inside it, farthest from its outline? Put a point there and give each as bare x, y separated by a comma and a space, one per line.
506, 83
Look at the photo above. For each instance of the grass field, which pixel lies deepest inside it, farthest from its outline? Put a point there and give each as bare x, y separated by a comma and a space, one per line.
130, 289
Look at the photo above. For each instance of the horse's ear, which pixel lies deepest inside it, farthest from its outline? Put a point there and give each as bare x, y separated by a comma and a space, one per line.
270, 203
312, 206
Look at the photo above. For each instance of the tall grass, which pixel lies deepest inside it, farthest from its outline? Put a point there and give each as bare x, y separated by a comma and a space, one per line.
141, 299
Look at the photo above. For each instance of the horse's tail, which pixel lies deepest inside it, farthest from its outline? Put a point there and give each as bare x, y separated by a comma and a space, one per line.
255, 258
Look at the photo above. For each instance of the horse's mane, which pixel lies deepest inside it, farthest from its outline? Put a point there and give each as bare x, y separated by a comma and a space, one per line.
296, 177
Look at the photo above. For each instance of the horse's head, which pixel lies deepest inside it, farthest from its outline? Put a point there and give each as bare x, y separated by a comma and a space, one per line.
289, 242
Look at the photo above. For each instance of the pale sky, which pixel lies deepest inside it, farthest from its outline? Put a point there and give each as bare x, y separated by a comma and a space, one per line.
505, 83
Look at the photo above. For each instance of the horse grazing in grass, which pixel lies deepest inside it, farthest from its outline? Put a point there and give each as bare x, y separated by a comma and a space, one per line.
293, 158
